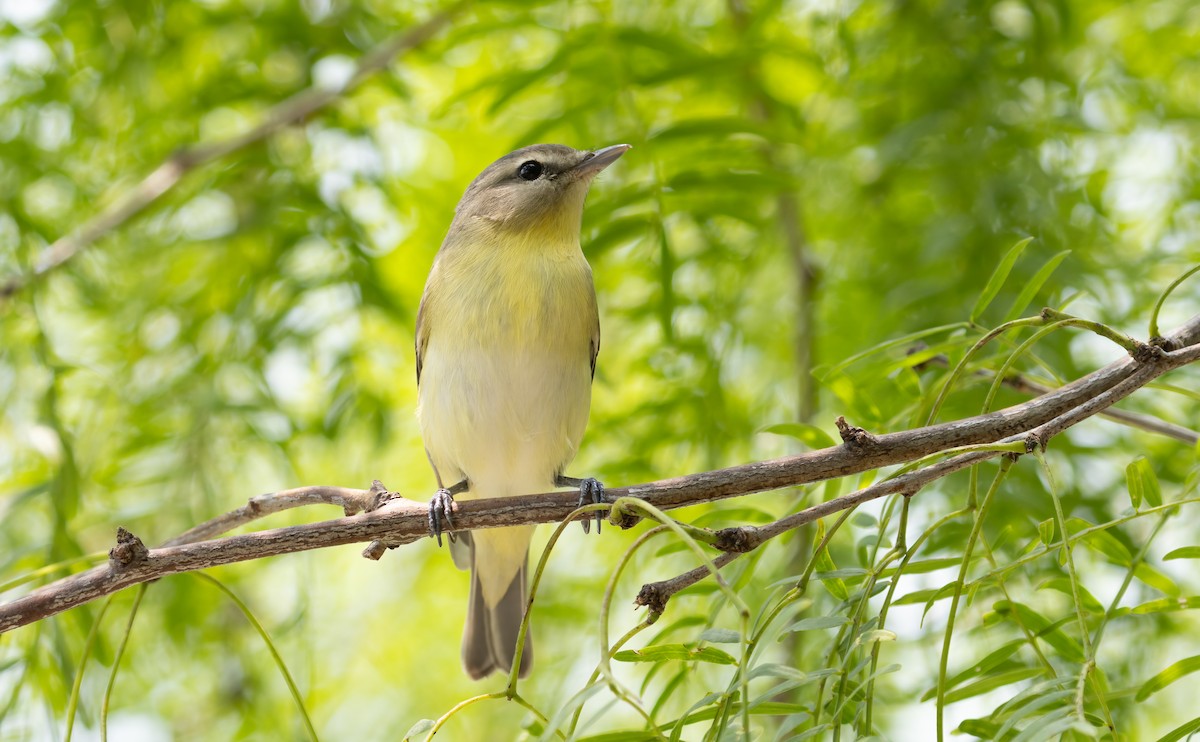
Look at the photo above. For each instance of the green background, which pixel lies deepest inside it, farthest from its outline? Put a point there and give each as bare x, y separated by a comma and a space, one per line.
808, 180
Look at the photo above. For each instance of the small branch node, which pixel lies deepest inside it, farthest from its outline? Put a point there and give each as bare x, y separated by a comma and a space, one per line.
375, 550
1166, 344
1034, 441
623, 518
854, 436
653, 596
129, 550
738, 539
379, 496
1147, 352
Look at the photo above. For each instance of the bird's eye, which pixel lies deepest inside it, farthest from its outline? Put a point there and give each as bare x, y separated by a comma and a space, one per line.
530, 170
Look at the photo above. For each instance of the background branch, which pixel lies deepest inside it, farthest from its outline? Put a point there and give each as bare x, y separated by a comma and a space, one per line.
163, 178
401, 521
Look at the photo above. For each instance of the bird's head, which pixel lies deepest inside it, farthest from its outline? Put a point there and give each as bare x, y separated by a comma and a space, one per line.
537, 189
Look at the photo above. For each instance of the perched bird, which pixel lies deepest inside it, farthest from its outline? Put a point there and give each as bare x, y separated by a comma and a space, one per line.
507, 336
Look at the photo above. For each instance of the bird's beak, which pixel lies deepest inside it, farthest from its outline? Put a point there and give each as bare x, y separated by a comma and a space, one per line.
596, 161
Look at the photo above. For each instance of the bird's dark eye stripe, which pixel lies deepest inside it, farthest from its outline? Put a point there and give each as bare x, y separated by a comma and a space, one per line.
530, 170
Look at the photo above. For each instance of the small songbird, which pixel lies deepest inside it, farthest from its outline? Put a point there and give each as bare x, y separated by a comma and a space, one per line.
507, 336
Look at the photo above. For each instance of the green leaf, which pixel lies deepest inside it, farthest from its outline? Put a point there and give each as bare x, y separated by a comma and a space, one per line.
985, 684
630, 736
1046, 531
720, 636
1167, 605
993, 660
999, 276
874, 636
1166, 677
824, 374
1051, 631
1184, 552
418, 729
1183, 730
981, 728
1037, 702
809, 435
1063, 585
1155, 579
568, 709
1142, 483
681, 652
926, 596
1025, 298
775, 670
824, 563
1108, 545
817, 622
684, 720
923, 566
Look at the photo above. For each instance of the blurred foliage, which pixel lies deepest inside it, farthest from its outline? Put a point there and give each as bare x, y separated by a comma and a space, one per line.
866, 165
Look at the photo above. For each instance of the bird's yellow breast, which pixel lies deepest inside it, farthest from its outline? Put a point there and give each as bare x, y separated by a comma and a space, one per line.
506, 380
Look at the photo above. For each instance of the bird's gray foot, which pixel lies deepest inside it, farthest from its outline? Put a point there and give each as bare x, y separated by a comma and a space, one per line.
591, 491
440, 507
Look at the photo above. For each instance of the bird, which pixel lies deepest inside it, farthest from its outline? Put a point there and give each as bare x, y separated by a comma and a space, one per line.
507, 336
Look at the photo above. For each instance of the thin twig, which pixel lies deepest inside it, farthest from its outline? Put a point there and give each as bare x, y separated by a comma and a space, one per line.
350, 500
1138, 420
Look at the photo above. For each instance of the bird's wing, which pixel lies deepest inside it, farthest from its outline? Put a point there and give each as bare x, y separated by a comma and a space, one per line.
422, 338
595, 345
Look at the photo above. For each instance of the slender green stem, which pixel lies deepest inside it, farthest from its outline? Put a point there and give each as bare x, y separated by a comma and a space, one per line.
1130, 345
976, 528
1079, 536
822, 545
441, 720
1068, 552
112, 676
1089, 664
1012, 359
262, 632
531, 709
1158, 305
632, 503
962, 365
868, 587
1029, 634
1010, 447
891, 593
1112, 609
604, 666
88, 645
616, 647
514, 671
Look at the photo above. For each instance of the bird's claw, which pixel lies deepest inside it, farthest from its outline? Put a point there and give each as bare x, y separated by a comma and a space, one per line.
440, 507
591, 491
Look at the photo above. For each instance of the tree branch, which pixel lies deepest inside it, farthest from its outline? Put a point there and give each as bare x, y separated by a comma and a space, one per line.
739, 540
291, 111
400, 521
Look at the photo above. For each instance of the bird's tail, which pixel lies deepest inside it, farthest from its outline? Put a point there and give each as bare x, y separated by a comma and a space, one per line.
490, 636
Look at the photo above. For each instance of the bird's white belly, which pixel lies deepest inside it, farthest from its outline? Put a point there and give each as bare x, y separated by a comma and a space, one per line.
505, 419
